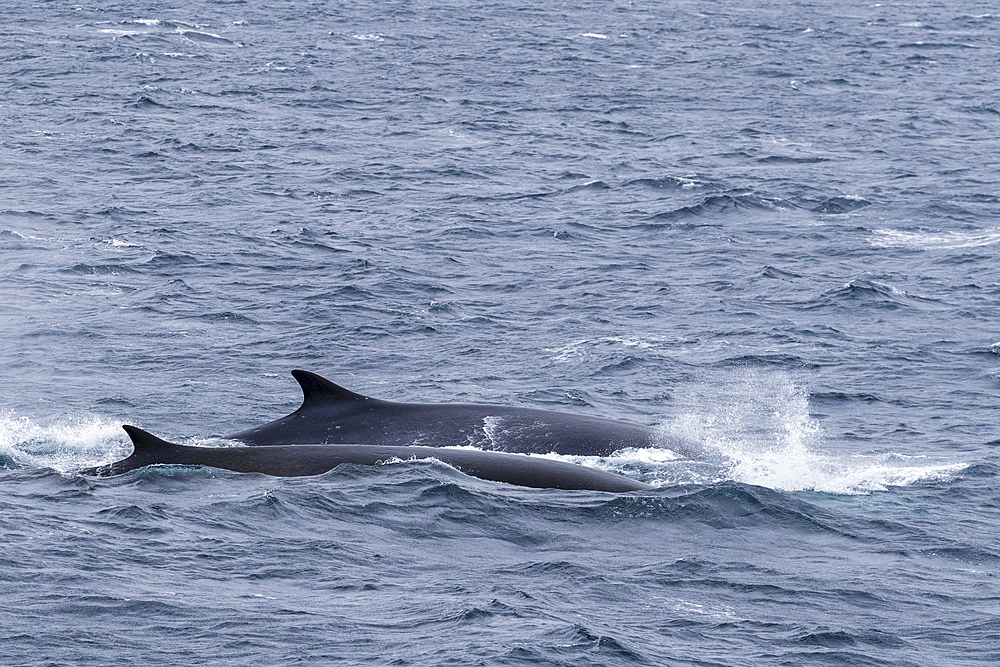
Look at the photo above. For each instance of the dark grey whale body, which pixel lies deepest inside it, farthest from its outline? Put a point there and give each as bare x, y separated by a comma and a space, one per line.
331, 414
303, 460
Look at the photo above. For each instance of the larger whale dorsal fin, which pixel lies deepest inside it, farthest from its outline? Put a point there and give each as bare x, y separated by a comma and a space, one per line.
318, 390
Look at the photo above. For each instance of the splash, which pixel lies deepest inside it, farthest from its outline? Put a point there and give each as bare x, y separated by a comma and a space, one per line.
67, 445
757, 427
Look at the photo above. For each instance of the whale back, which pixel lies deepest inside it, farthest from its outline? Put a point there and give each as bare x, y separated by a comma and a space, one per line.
331, 414
302, 460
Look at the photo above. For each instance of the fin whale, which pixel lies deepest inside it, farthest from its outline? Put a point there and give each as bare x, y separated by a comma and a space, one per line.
331, 414
304, 460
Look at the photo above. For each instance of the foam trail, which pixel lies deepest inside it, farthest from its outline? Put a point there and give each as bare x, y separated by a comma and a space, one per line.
67, 445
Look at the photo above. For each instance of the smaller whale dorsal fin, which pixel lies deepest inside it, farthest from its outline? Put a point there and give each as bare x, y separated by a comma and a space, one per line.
318, 390
145, 443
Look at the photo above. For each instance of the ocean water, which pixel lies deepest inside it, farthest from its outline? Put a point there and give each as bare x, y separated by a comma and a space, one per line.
771, 227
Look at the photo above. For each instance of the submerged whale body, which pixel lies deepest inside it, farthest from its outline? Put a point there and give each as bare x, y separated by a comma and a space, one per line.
331, 414
303, 460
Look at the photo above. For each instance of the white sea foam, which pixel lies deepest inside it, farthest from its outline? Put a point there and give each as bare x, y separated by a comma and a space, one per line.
593, 35
118, 32
69, 444
586, 345
118, 243
643, 455
893, 238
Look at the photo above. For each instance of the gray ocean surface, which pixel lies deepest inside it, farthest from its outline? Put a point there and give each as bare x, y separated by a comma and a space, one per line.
772, 228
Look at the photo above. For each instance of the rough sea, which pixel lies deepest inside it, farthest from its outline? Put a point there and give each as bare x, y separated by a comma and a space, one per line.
769, 227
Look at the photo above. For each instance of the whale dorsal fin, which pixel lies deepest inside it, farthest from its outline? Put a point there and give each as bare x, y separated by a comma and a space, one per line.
144, 443
318, 390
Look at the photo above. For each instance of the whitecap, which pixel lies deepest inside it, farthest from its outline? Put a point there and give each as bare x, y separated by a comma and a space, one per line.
118, 32
894, 238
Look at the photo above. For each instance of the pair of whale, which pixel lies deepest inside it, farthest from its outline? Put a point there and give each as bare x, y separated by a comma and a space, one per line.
323, 433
